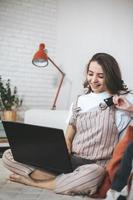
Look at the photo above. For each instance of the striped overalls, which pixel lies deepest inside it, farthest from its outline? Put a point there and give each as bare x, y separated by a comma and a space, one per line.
95, 138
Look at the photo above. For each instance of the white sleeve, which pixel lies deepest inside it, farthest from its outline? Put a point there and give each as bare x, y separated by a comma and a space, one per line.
69, 114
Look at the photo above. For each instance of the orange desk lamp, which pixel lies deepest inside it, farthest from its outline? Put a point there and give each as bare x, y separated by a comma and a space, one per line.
41, 59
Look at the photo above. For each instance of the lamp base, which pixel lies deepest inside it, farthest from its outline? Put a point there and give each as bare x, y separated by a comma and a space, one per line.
53, 107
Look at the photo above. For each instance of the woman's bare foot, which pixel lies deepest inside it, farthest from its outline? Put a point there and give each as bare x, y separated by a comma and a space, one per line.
22, 179
47, 184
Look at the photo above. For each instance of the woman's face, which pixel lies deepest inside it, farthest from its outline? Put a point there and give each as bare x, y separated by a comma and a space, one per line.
95, 77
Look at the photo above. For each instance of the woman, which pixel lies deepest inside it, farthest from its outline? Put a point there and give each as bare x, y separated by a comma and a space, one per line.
119, 189
91, 135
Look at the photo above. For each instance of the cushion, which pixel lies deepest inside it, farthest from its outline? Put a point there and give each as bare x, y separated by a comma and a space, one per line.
119, 150
113, 164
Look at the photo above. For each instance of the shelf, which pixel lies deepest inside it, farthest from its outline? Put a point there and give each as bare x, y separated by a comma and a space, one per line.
3, 140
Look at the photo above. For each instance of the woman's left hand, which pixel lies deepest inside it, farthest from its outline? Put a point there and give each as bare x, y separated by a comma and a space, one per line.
122, 103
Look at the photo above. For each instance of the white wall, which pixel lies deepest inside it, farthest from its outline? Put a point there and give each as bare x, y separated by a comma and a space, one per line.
73, 30
24, 24
86, 27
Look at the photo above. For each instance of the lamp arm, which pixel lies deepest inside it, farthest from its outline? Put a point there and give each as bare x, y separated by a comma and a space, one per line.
61, 81
57, 93
56, 66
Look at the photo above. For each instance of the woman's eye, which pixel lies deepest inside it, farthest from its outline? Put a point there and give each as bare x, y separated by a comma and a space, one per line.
90, 74
101, 76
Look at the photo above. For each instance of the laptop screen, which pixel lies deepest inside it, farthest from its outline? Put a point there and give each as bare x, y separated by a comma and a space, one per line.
42, 147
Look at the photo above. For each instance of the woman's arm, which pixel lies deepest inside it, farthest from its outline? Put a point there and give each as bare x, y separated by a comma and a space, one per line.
122, 103
70, 133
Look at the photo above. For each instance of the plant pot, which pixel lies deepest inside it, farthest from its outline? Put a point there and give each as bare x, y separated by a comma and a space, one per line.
9, 115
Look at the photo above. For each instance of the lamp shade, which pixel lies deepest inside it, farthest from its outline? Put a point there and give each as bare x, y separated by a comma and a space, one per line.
40, 58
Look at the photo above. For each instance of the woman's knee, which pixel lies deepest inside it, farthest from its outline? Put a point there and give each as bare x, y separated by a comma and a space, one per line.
7, 158
94, 175
14, 166
84, 180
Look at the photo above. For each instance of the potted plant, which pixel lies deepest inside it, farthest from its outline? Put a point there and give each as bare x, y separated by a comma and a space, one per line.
9, 100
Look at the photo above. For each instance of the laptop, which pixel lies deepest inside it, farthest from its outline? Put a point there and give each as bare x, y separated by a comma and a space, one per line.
42, 147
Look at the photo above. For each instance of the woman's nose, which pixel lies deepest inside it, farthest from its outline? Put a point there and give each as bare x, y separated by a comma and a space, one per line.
94, 79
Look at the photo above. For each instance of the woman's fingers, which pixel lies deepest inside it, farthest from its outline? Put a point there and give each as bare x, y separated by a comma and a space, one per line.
121, 102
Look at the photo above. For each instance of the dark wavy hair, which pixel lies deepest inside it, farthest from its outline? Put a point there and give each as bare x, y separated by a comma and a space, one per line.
112, 73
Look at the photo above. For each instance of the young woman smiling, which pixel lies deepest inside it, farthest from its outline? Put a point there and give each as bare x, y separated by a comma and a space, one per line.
91, 136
